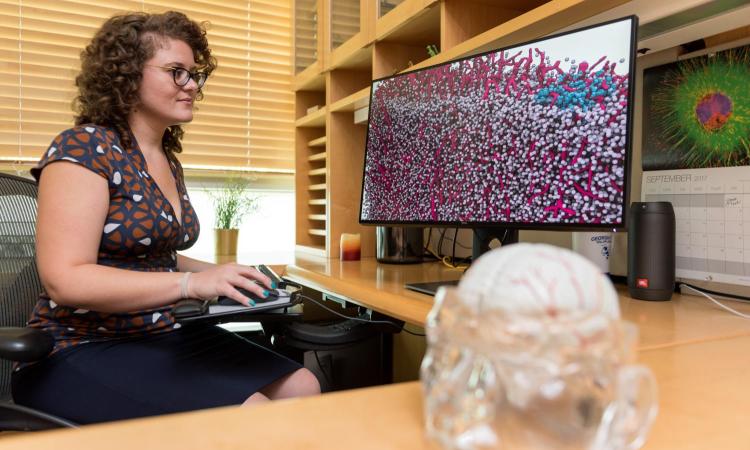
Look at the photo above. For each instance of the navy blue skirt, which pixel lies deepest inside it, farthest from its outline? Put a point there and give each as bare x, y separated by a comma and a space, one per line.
194, 367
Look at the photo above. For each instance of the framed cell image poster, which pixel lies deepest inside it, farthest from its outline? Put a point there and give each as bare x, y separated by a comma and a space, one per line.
696, 154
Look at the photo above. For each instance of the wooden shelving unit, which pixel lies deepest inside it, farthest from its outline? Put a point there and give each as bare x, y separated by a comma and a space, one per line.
330, 145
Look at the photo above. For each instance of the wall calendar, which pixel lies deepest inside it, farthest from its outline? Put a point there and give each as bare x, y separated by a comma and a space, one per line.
712, 212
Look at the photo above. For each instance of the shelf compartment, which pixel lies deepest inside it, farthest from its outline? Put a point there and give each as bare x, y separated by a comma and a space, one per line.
317, 187
357, 100
345, 82
306, 103
310, 79
390, 58
317, 172
413, 21
355, 53
314, 119
319, 142
316, 232
317, 202
317, 217
464, 19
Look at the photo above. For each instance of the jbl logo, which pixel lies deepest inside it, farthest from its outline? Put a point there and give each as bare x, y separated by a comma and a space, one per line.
641, 282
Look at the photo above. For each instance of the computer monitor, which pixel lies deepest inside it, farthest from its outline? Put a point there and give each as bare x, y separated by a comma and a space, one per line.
533, 136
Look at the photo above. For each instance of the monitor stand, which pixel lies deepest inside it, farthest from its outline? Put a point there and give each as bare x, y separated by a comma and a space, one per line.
480, 245
483, 237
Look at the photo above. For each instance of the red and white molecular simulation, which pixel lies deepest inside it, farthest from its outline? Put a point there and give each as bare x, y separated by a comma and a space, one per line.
501, 137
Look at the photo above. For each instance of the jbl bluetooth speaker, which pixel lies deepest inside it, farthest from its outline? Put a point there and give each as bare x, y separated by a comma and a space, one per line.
651, 250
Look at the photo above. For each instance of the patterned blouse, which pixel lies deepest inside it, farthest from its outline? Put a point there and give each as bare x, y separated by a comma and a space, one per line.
140, 233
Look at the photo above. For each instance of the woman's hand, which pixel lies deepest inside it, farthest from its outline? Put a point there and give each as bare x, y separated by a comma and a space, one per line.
224, 280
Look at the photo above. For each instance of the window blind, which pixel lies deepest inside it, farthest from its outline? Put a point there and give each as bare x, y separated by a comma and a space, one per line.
245, 122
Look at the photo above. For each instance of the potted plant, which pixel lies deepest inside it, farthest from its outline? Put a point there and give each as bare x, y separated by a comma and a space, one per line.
232, 202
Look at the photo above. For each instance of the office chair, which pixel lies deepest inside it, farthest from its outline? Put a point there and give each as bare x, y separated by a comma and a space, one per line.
19, 289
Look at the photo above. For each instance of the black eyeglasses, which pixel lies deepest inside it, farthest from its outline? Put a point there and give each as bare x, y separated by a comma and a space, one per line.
182, 76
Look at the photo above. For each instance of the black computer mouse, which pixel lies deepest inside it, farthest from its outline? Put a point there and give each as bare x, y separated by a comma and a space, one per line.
188, 307
227, 301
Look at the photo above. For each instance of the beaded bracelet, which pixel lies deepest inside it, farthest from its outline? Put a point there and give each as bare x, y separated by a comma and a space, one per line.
184, 285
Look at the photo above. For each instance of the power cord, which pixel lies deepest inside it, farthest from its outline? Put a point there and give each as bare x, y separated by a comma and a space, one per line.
721, 305
447, 261
440, 242
733, 296
453, 255
426, 252
455, 239
384, 322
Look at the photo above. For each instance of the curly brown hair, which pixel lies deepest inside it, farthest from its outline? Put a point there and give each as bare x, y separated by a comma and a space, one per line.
112, 69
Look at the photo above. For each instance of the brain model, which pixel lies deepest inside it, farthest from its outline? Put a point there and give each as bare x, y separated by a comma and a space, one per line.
537, 279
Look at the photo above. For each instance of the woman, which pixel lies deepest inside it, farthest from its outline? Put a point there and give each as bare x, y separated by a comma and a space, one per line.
113, 211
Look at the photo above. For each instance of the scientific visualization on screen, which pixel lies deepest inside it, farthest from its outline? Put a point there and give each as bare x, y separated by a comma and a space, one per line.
535, 134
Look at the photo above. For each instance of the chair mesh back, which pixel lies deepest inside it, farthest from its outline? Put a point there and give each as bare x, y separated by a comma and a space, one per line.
19, 281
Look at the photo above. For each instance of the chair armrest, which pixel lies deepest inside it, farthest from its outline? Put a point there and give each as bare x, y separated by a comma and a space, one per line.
24, 344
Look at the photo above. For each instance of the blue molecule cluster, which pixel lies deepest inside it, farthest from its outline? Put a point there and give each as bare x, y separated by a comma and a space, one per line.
577, 89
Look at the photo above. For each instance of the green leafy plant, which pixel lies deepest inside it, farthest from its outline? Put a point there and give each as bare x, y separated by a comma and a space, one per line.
233, 202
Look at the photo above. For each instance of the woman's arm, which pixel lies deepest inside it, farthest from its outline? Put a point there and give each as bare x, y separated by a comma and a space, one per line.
73, 204
186, 264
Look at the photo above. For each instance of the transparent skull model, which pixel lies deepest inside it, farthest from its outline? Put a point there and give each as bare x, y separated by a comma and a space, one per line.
529, 353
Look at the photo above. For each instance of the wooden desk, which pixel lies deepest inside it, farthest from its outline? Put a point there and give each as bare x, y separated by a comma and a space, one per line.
698, 353
682, 320
368, 283
704, 398
703, 405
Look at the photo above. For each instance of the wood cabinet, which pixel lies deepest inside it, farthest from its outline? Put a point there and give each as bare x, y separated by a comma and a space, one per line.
333, 92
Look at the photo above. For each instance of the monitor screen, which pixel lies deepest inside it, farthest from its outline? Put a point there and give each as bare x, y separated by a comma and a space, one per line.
532, 136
